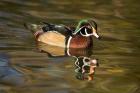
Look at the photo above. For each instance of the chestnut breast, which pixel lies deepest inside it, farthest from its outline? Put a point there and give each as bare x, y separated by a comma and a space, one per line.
79, 41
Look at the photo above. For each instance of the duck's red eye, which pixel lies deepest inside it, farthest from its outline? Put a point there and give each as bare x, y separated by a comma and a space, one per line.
89, 31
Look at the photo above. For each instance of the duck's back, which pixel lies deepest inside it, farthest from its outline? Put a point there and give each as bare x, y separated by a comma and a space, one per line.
62, 29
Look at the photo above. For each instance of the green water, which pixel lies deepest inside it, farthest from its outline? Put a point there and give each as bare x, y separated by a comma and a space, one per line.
35, 72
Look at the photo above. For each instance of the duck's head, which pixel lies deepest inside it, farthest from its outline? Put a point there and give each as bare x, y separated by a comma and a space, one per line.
87, 27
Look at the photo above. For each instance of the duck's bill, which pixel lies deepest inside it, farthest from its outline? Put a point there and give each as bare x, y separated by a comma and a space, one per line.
96, 35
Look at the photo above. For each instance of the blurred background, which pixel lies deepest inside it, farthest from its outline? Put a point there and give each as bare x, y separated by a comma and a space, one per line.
118, 51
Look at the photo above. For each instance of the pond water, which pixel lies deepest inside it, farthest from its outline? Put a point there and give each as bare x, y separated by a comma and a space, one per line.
24, 69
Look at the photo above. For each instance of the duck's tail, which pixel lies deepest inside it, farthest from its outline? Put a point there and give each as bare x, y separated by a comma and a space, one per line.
33, 27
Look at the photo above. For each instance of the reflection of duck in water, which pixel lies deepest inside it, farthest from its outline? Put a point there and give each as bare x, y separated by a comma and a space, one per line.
9, 75
85, 66
63, 36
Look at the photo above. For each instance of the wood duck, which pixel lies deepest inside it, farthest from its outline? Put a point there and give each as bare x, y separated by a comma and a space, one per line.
63, 36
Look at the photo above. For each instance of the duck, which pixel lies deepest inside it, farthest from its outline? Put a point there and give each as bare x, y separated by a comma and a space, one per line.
61, 35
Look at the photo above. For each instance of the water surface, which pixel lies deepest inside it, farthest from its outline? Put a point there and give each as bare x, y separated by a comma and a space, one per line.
117, 51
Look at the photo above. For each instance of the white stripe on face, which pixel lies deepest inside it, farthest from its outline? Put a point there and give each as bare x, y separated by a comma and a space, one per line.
86, 33
77, 31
